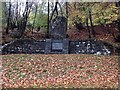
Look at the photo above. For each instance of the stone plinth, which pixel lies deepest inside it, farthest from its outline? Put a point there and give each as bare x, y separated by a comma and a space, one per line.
57, 46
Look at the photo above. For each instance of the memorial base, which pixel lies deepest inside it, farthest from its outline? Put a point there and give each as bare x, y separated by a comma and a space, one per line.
57, 46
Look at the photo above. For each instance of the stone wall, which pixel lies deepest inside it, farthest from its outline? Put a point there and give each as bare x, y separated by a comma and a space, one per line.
27, 46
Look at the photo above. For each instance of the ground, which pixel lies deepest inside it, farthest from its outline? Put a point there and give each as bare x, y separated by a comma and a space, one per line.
59, 70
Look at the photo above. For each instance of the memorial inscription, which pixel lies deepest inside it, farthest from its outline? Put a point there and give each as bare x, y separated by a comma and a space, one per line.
57, 46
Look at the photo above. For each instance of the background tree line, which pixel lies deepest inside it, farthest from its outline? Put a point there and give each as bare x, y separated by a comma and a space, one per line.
35, 15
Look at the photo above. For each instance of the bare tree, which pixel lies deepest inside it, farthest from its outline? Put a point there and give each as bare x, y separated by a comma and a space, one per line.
23, 21
8, 18
92, 26
67, 13
48, 18
88, 28
56, 10
36, 7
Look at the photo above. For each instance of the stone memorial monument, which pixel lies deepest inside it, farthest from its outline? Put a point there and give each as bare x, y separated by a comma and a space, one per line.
58, 43
57, 29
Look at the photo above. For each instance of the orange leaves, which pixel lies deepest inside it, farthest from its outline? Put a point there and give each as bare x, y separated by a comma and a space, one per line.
60, 71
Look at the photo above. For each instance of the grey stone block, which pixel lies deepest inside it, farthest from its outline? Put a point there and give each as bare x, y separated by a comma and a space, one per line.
57, 46
58, 28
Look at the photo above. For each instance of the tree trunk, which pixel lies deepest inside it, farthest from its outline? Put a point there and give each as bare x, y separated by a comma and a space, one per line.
23, 22
17, 14
92, 26
67, 14
4, 14
34, 17
119, 25
88, 27
60, 9
55, 9
48, 18
8, 18
75, 4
